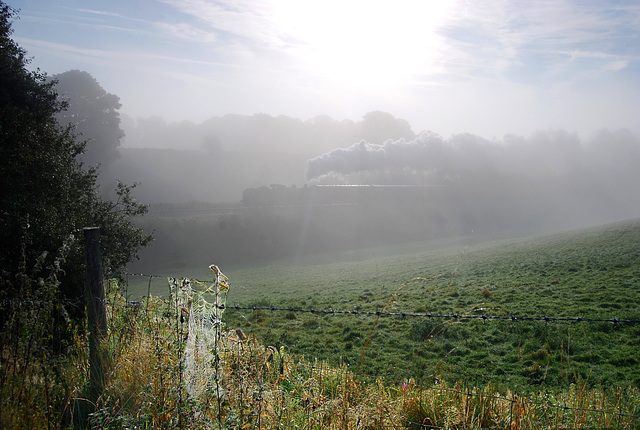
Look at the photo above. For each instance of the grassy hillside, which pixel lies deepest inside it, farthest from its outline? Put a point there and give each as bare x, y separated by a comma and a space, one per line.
372, 372
589, 273
148, 384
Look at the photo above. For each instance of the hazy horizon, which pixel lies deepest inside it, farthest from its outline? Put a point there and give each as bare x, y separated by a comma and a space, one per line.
451, 67
525, 114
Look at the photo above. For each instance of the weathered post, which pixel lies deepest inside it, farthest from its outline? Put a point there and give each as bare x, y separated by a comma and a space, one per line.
96, 311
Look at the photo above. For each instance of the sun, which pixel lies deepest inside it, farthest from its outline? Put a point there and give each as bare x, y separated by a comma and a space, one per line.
364, 43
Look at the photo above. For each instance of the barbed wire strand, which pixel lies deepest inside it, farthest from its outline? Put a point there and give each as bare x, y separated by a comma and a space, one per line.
514, 318
403, 314
454, 316
431, 315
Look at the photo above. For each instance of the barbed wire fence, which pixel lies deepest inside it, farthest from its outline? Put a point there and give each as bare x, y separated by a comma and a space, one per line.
404, 314
511, 400
331, 311
300, 362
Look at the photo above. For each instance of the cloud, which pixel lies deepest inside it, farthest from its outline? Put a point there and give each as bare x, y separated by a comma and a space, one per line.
71, 52
101, 12
617, 65
242, 19
188, 32
511, 37
120, 59
492, 68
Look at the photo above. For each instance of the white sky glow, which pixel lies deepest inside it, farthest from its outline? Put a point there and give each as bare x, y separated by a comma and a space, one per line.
451, 66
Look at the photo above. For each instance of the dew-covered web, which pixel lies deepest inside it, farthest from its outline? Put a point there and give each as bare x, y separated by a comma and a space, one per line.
201, 370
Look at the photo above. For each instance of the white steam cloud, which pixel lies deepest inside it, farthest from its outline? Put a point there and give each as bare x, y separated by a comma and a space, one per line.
430, 159
550, 179
418, 154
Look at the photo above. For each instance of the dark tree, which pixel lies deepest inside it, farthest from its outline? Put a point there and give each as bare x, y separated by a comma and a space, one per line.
47, 196
93, 113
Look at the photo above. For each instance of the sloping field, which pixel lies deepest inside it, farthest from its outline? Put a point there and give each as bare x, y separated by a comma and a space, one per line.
590, 273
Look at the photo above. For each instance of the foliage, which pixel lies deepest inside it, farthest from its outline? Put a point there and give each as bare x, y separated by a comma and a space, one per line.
36, 386
92, 113
47, 195
47, 198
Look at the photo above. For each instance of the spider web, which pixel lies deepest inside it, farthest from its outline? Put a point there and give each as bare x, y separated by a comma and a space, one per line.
201, 368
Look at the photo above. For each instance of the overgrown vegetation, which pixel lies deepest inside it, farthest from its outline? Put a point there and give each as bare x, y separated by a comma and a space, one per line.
298, 369
48, 197
263, 386
589, 273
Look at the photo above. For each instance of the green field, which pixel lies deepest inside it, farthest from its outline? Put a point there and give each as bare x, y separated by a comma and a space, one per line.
590, 273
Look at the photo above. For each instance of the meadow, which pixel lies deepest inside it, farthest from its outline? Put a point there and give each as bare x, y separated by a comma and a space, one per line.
591, 273
352, 368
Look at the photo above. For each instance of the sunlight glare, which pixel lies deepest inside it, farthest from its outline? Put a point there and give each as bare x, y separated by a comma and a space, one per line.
362, 43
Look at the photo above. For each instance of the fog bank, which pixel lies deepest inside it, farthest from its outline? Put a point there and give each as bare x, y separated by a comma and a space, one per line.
430, 159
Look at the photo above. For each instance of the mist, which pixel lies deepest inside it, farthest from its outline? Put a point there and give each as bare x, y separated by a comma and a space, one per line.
553, 174
216, 160
258, 188
430, 159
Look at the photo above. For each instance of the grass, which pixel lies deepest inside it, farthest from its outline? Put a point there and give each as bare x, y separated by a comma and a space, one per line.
270, 385
591, 273
267, 387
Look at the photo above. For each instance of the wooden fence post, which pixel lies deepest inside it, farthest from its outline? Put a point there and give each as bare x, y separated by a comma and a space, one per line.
96, 311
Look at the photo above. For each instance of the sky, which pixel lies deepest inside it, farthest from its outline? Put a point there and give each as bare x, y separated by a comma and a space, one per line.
491, 67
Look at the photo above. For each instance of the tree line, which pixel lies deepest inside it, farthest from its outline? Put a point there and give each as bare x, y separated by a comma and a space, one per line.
49, 186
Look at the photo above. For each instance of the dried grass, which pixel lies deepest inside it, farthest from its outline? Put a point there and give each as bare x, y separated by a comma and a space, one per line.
266, 388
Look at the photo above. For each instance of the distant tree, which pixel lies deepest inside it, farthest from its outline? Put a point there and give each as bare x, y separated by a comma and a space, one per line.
47, 197
379, 126
93, 113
